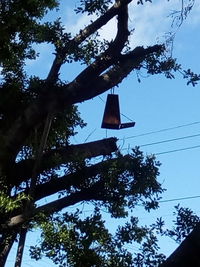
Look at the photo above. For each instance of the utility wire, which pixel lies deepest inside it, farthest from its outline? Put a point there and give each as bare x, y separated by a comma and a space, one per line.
162, 130
153, 132
171, 151
176, 199
170, 140
163, 141
177, 150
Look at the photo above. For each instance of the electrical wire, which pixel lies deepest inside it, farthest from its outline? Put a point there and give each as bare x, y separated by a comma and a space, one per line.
162, 130
154, 132
177, 199
170, 140
177, 150
171, 151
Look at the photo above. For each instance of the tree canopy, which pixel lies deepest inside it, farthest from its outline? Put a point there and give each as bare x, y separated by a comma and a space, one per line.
39, 116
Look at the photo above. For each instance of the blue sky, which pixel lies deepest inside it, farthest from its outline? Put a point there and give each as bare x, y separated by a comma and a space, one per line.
154, 104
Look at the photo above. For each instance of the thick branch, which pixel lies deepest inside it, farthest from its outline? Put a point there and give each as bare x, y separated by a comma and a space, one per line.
67, 181
111, 78
187, 254
6, 242
22, 171
111, 55
59, 98
54, 206
96, 191
85, 33
85, 195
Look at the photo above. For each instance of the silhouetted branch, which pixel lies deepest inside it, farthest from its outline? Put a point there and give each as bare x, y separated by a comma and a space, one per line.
22, 171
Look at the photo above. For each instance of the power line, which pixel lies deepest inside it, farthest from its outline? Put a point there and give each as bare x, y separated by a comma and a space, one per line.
162, 130
170, 140
158, 131
177, 199
177, 150
170, 151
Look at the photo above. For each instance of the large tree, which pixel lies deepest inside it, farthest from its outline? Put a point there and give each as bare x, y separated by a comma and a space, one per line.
38, 117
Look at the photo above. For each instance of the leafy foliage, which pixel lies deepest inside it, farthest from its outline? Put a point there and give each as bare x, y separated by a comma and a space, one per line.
192, 77
18, 29
184, 223
8, 204
87, 242
115, 183
70, 240
93, 7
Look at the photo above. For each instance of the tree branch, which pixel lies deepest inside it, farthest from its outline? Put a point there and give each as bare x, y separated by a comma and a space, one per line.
22, 171
95, 191
74, 179
126, 63
59, 98
83, 34
6, 242
111, 55
54, 206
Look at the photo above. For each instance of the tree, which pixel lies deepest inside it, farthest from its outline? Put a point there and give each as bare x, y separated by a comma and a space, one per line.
31, 107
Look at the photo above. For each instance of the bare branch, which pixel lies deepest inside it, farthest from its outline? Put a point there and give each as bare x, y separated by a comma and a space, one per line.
67, 181
22, 171
54, 206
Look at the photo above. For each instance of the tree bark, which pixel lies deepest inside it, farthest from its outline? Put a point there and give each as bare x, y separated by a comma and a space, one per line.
22, 171
54, 206
6, 242
84, 33
58, 98
20, 248
95, 192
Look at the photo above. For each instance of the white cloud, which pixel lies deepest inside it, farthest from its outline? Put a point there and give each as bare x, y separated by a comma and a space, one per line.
150, 21
74, 26
109, 31
193, 19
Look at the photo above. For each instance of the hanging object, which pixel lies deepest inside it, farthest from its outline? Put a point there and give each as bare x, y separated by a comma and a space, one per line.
111, 117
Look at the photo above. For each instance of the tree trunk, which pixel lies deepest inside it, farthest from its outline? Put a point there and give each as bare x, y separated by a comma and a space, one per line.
6, 243
20, 249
